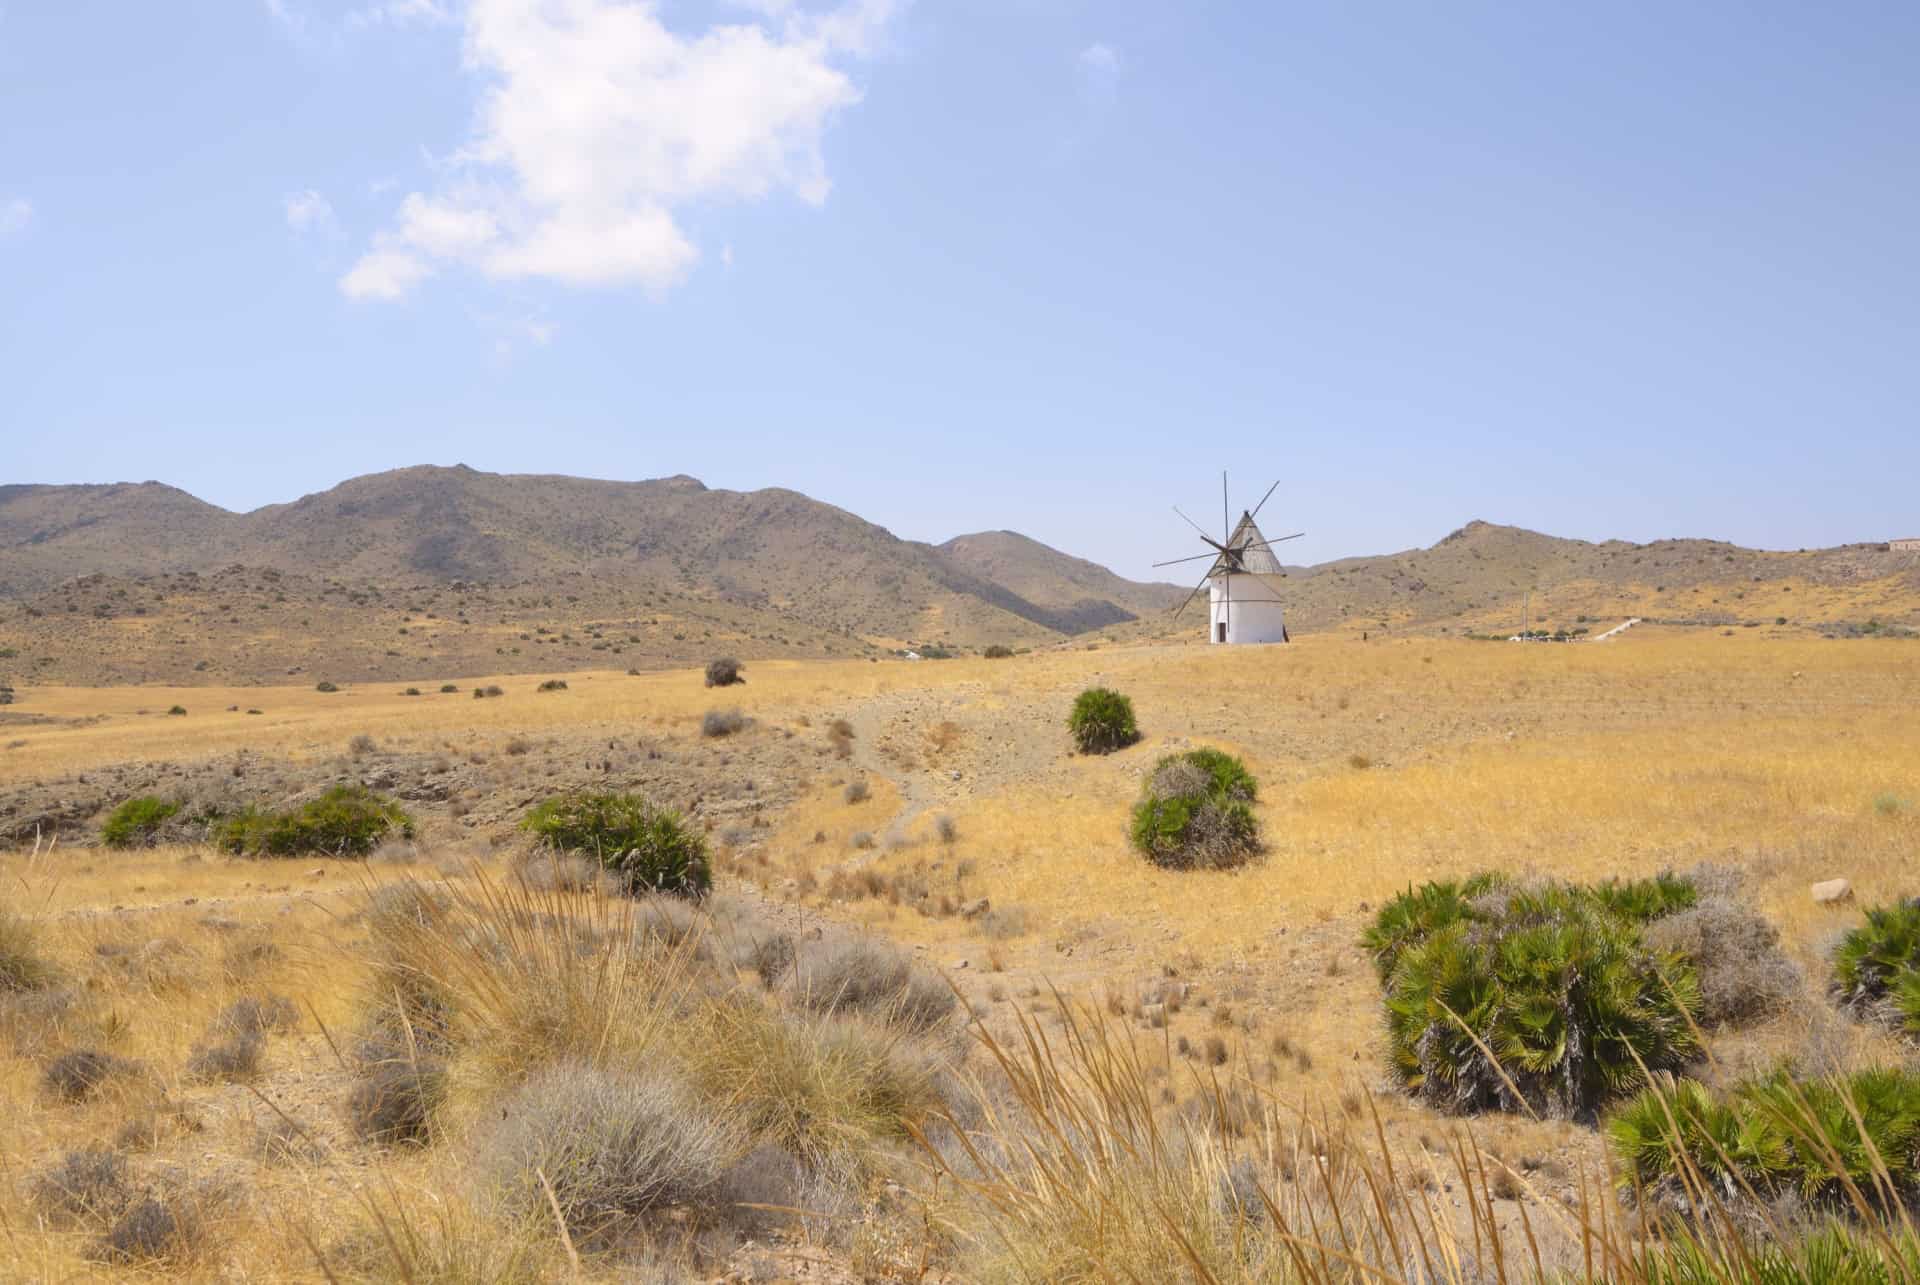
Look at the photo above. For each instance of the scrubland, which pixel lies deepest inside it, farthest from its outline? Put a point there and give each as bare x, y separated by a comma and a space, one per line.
1079, 1065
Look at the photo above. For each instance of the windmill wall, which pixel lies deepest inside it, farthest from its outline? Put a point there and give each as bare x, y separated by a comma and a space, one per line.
1245, 608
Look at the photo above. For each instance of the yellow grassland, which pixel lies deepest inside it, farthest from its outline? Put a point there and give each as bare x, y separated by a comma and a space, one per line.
1381, 765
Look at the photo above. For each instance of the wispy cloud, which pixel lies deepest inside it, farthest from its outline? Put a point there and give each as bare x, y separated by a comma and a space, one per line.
383, 274
400, 13
15, 214
292, 19
599, 123
308, 211
1099, 67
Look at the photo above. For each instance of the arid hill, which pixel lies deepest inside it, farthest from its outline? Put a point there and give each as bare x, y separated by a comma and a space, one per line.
447, 571
770, 550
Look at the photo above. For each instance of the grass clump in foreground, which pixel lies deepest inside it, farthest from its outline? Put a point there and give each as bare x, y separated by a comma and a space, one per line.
722, 722
137, 822
646, 847
348, 820
1543, 997
23, 967
634, 1097
1102, 721
1070, 1174
1195, 812
1876, 966
610, 1144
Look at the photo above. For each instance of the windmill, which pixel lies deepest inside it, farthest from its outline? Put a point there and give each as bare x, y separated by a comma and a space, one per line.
1244, 598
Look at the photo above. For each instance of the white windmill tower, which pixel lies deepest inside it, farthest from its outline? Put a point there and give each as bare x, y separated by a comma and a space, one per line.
1243, 584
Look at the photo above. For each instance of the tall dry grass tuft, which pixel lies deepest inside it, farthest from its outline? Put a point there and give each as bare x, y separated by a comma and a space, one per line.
514, 976
1072, 1172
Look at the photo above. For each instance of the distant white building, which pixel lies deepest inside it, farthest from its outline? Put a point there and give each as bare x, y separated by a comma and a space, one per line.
1244, 590
1904, 546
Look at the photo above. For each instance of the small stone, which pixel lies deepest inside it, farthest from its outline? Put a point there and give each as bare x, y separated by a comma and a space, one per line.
975, 908
1829, 891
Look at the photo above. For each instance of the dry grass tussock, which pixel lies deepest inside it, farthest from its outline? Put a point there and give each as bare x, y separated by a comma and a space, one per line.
1073, 1172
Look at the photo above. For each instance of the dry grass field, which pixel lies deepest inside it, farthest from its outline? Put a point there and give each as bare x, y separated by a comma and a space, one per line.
981, 845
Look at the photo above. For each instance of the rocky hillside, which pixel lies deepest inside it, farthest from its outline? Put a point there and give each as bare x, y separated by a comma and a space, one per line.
432, 571
772, 550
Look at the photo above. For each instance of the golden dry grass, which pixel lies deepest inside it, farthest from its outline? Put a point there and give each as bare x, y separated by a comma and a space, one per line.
1793, 760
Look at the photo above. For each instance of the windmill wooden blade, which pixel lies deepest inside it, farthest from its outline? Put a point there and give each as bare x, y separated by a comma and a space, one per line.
1226, 521
1197, 527
1190, 597
1173, 562
1267, 544
1265, 498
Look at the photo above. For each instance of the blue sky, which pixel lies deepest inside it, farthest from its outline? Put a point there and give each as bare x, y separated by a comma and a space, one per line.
1601, 270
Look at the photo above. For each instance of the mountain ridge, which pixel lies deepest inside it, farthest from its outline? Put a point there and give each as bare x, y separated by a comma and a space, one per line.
673, 565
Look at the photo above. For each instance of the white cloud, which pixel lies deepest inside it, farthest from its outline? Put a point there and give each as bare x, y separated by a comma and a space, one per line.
598, 123
400, 13
1100, 59
15, 214
384, 273
1098, 67
446, 228
292, 20
308, 211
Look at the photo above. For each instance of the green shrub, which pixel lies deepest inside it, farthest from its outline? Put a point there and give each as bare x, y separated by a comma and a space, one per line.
137, 822
481, 693
648, 848
177, 710
1775, 1136
447, 688
553, 685
1876, 966
1102, 721
1554, 980
1645, 900
348, 820
1418, 913
1194, 812
998, 651
724, 672
324, 686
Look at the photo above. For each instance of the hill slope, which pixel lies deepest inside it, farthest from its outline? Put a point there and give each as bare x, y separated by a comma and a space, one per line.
1091, 595
448, 570
771, 550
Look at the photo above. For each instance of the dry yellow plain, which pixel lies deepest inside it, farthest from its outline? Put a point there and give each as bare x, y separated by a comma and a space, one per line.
1381, 764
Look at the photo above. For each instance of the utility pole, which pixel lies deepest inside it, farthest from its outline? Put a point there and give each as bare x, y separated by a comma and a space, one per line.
1526, 613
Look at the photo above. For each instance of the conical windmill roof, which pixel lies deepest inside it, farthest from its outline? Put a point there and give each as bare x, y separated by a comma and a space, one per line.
1250, 551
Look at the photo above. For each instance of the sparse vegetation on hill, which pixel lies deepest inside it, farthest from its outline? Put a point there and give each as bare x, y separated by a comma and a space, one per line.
646, 847
1196, 812
1102, 721
137, 821
348, 820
